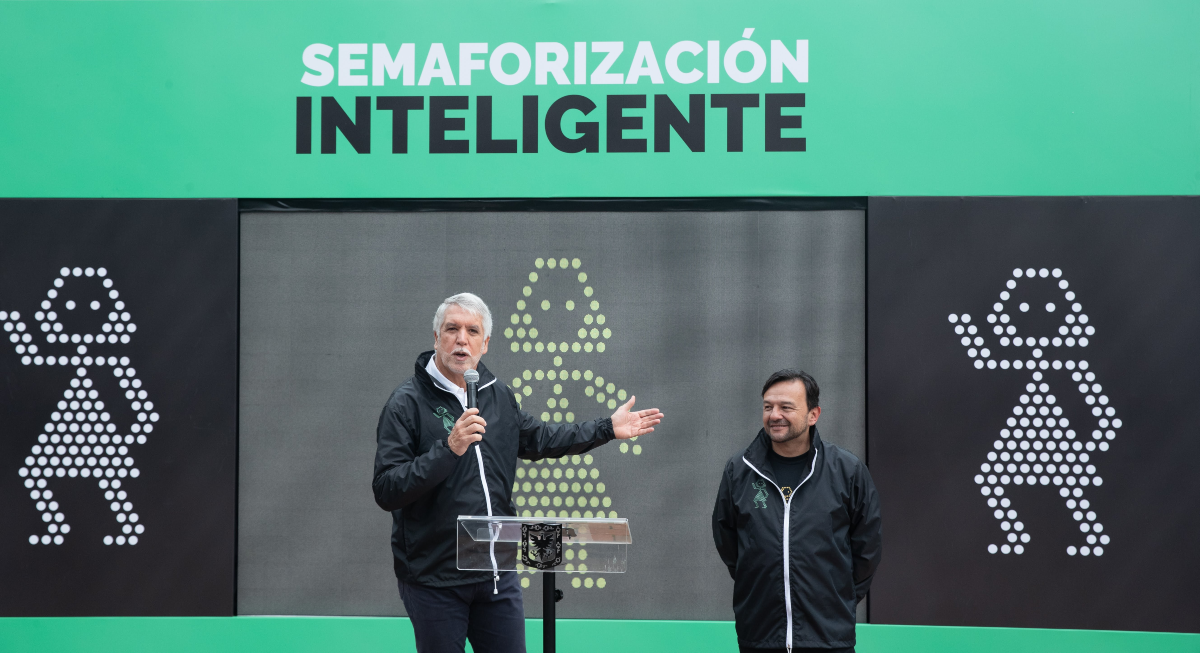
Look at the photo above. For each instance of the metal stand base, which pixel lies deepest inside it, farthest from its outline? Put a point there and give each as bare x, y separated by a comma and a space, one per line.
550, 596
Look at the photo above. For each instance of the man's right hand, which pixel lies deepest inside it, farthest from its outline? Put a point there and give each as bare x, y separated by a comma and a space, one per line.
469, 428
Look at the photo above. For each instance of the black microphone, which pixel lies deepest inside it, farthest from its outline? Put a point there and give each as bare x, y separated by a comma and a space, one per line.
472, 379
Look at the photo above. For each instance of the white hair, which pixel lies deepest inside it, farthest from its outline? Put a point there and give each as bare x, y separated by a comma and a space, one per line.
469, 302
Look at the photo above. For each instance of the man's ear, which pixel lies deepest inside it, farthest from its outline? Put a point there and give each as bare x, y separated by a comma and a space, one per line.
814, 415
483, 349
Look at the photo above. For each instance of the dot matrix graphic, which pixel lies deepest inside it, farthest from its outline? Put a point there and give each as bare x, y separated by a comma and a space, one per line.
1039, 447
560, 332
81, 438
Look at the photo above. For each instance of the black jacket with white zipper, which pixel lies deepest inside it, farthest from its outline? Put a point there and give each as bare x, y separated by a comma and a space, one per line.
426, 486
798, 591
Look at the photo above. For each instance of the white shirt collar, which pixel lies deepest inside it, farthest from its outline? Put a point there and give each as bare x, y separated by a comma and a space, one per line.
444, 383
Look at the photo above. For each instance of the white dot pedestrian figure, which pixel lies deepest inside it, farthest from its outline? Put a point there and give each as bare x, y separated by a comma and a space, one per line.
84, 329
1038, 445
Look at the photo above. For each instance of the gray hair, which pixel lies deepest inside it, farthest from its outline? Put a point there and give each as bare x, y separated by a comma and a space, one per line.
469, 302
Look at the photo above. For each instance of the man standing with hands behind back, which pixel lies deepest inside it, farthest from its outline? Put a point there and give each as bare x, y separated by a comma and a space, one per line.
436, 459
797, 523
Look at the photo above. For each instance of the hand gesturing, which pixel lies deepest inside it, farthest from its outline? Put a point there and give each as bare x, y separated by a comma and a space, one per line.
630, 424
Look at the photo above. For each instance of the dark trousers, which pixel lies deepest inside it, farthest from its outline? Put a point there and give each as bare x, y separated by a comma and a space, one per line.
443, 618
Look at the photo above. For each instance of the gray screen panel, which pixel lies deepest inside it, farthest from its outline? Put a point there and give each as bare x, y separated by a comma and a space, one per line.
701, 308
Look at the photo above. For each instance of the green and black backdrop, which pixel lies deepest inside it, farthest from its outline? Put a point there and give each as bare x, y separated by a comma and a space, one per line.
187, 388
267, 358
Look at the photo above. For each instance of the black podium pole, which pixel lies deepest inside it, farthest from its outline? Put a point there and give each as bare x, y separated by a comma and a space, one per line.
549, 597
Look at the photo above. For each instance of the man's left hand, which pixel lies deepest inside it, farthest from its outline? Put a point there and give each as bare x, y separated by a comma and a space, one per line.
630, 424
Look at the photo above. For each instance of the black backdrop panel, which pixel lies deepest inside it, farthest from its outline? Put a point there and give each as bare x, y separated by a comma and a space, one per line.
1078, 474
143, 525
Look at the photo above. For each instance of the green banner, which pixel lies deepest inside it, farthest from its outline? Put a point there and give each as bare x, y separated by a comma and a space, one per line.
598, 99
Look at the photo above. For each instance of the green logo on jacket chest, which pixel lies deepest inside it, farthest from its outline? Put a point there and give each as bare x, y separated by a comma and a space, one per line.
760, 497
447, 419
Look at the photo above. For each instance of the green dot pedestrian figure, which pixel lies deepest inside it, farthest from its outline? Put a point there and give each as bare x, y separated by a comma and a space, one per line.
560, 333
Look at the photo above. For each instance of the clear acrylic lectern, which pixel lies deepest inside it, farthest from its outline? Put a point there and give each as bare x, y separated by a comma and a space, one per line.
540, 544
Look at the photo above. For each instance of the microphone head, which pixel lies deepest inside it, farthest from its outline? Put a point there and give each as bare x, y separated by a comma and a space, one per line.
471, 376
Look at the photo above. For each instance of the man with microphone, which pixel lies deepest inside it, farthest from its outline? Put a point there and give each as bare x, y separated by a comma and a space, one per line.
447, 445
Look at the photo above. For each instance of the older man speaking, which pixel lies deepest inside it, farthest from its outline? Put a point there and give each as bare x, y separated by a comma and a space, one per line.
425, 476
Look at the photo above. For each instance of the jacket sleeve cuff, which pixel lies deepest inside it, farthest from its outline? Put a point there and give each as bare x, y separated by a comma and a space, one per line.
444, 443
604, 424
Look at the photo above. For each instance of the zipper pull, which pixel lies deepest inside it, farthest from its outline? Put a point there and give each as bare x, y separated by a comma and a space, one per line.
495, 583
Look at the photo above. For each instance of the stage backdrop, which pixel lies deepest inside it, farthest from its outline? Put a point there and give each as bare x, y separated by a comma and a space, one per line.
1032, 428
688, 311
118, 377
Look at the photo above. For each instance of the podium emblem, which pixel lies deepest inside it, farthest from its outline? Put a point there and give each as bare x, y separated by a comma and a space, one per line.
541, 545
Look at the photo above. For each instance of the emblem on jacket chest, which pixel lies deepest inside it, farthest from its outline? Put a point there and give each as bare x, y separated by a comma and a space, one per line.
447, 418
760, 495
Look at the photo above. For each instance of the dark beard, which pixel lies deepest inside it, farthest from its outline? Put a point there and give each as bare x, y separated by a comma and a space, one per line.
792, 434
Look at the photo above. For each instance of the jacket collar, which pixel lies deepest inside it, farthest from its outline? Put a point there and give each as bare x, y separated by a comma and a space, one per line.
756, 453
486, 378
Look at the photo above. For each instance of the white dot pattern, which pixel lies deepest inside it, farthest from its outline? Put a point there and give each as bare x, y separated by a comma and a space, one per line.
82, 438
1039, 446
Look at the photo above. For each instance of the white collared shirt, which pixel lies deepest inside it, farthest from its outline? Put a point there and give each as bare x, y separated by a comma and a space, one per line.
444, 383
